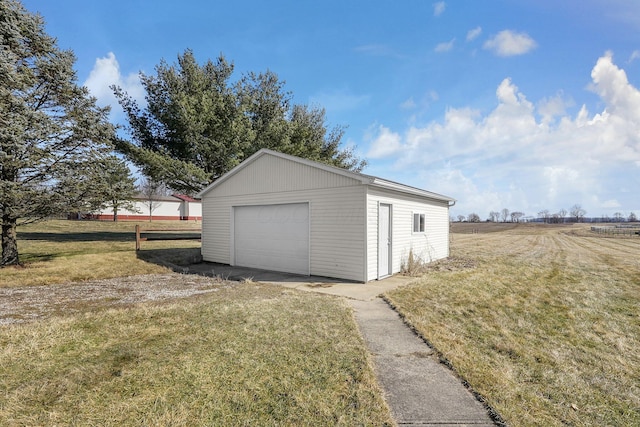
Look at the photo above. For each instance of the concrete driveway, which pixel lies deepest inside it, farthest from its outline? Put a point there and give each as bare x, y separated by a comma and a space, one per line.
352, 290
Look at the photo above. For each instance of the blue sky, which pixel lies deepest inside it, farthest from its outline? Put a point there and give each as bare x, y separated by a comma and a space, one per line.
526, 105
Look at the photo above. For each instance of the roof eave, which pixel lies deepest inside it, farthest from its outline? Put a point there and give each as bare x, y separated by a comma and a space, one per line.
394, 186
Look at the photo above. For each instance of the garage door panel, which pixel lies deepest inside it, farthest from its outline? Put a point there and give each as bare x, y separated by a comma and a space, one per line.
272, 237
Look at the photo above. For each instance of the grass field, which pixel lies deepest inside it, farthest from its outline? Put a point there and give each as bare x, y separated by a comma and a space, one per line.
60, 251
544, 322
248, 355
242, 355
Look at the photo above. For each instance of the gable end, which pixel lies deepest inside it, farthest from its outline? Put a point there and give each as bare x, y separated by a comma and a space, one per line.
269, 173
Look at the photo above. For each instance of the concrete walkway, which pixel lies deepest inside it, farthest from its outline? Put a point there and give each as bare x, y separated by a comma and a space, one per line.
419, 390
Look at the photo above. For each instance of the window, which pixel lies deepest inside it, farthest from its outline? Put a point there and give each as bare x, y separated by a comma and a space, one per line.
418, 223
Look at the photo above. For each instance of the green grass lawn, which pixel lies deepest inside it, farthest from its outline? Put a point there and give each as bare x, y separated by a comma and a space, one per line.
546, 326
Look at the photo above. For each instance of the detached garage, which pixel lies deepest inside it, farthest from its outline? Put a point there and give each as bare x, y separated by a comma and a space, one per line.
283, 213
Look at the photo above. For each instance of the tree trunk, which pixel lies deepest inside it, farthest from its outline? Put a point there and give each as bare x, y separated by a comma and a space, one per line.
9, 242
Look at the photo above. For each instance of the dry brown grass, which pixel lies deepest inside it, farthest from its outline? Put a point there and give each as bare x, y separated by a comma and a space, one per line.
546, 327
138, 351
60, 251
247, 355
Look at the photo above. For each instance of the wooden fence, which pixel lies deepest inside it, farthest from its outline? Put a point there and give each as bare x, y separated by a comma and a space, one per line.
146, 234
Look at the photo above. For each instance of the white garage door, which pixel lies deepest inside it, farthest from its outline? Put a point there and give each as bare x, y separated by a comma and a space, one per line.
272, 237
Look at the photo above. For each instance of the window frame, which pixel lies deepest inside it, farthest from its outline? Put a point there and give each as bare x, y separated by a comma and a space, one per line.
421, 218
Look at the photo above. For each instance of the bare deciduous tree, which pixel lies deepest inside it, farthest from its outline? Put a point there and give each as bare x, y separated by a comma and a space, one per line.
494, 216
577, 212
562, 212
515, 216
505, 214
473, 217
544, 215
151, 189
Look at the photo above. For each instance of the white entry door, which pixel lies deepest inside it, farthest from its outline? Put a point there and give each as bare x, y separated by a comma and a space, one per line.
272, 237
384, 240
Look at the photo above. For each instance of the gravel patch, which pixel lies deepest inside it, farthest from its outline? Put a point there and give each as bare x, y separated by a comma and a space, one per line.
30, 303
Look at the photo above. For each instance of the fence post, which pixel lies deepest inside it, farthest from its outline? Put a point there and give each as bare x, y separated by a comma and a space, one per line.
137, 237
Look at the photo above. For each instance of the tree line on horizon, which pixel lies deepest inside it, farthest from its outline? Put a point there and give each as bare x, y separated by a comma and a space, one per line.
577, 214
59, 153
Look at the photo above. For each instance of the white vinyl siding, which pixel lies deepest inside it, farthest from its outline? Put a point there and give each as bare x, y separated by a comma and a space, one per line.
343, 214
337, 232
216, 229
268, 174
431, 245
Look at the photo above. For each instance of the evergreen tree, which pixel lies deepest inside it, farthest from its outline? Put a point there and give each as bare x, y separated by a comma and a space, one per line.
198, 125
50, 128
105, 182
115, 186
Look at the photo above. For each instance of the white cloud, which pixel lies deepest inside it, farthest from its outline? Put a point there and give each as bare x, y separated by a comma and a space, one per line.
106, 72
558, 178
438, 8
385, 144
474, 33
445, 46
612, 85
610, 204
555, 106
510, 43
529, 156
634, 55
